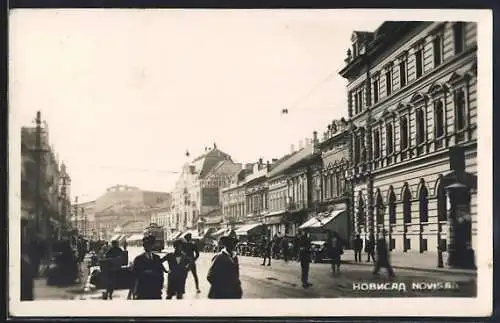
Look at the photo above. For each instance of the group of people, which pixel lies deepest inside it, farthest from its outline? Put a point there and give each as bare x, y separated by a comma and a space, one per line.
372, 245
148, 270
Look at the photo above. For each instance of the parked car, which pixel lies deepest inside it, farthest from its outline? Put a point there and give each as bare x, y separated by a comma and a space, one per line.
318, 251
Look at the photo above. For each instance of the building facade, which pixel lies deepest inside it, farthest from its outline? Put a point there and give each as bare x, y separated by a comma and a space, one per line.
83, 219
197, 191
290, 187
233, 198
412, 102
45, 187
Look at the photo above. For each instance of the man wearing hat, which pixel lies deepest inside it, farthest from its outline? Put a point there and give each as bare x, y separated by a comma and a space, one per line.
224, 273
148, 272
193, 254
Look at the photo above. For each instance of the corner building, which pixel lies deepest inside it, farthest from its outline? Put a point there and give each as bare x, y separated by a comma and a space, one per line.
412, 103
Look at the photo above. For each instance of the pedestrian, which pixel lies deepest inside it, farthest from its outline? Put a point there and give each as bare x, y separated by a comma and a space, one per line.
193, 254
224, 273
111, 267
334, 247
370, 248
266, 251
148, 272
383, 260
285, 248
304, 258
358, 246
178, 268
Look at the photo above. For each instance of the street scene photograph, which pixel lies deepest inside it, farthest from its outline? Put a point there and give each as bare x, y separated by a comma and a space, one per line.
188, 155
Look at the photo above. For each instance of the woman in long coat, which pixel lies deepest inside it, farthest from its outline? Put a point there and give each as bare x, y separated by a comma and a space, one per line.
224, 273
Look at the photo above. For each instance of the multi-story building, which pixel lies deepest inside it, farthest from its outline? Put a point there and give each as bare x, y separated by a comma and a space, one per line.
330, 188
45, 186
289, 190
83, 219
197, 191
233, 198
412, 101
256, 192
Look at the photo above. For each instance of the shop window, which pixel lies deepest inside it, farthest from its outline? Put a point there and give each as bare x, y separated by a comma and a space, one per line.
424, 205
392, 208
441, 204
443, 245
407, 206
407, 245
423, 245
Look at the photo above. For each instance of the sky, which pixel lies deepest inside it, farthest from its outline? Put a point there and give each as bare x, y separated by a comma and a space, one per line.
126, 93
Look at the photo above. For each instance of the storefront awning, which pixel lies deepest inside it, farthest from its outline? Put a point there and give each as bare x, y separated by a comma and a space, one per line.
249, 229
194, 234
135, 237
115, 237
219, 232
320, 221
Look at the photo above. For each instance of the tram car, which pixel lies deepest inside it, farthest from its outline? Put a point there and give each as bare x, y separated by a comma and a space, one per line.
156, 231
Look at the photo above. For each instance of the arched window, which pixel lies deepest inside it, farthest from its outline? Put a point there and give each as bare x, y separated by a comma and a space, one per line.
379, 207
441, 202
392, 207
407, 205
361, 210
423, 204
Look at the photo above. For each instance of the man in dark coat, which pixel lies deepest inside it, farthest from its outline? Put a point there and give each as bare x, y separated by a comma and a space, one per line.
370, 248
148, 272
383, 258
304, 258
266, 251
358, 247
224, 273
110, 268
178, 268
193, 254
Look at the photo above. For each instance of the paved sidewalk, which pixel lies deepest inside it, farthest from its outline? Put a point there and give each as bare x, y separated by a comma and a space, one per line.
410, 260
42, 291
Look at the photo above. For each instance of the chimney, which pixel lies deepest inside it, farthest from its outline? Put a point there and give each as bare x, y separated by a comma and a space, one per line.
292, 149
260, 161
268, 164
